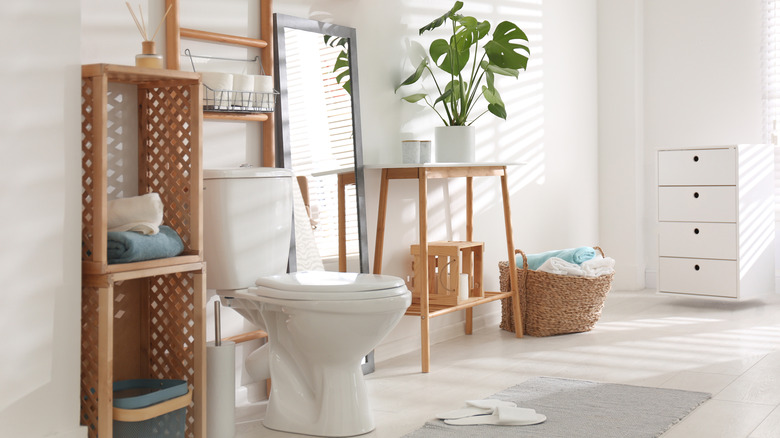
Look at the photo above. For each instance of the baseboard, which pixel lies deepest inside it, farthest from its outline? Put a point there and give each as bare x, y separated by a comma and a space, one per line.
777, 281
651, 279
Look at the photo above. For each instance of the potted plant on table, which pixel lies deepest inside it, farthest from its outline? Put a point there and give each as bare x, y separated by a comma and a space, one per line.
469, 69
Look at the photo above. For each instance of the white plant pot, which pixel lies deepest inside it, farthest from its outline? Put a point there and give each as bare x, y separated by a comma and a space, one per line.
455, 144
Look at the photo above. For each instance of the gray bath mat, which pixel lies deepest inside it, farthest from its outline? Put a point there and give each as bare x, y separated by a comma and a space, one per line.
583, 409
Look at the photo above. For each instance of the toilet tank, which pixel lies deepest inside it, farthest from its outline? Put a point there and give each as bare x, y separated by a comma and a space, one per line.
247, 219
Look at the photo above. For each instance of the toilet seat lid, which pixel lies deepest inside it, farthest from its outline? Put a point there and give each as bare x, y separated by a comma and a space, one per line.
329, 286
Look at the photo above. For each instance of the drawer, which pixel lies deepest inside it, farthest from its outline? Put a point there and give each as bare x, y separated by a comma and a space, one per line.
697, 204
701, 167
697, 240
698, 276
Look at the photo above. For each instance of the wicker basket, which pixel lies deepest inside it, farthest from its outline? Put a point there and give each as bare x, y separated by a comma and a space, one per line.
553, 304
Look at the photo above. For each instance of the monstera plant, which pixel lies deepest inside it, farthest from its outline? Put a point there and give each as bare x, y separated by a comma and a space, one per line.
469, 66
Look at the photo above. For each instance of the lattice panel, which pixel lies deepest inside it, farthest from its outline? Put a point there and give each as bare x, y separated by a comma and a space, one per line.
121, 142
172, 331
89, 359
87, 172
166, 136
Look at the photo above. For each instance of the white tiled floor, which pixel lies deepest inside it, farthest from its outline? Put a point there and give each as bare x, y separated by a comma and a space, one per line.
731, 350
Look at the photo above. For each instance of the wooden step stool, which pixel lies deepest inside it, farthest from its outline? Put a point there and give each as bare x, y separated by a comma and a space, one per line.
446, 261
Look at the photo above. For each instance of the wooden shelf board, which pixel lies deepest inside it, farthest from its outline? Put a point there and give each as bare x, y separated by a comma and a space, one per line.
252, 117
127, 271
139, 75
438, 310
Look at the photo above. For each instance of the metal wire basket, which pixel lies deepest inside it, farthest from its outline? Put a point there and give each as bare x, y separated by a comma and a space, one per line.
238, 101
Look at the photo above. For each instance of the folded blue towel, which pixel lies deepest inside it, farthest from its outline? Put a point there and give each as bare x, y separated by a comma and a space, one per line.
571, 255
129, 246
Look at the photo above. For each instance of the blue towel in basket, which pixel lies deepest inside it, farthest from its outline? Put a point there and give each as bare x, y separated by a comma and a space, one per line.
129, 246
571, 255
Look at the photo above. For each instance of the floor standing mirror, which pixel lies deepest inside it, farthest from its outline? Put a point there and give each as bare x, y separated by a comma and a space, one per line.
319, 138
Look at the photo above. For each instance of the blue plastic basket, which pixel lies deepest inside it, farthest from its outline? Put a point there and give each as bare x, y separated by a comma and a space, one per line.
150, 408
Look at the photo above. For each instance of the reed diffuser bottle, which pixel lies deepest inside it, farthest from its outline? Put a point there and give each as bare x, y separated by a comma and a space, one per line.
148, 57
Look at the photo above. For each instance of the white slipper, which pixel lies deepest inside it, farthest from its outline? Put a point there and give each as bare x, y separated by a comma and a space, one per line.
475, 407
503, 416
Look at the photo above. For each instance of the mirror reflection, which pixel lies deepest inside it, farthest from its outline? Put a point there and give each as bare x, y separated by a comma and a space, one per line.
320, 142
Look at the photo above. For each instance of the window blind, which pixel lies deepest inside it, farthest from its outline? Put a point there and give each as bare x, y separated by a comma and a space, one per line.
324, 145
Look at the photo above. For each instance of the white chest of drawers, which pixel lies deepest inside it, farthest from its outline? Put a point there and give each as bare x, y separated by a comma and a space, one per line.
716, 228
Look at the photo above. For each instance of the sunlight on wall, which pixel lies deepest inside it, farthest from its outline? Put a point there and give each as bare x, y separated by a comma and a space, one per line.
756, 212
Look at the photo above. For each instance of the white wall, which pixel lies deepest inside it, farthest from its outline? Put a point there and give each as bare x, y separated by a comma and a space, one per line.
40, 226
621, 154
702, 83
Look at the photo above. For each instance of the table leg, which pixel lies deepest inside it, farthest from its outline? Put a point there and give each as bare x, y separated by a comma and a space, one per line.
510, 246
380, 223
425, 323
469, 237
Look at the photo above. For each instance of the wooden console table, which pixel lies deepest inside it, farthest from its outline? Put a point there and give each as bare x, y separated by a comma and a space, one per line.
424, 172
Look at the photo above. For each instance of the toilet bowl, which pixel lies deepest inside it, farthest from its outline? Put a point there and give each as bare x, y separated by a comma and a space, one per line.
320, 325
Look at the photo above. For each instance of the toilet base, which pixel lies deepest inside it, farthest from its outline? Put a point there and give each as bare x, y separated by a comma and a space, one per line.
341, 410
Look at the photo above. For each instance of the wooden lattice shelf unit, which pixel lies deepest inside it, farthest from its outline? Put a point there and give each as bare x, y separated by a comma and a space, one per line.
143, 319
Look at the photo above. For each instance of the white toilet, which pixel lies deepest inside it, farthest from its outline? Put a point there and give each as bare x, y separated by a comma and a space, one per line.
320, 324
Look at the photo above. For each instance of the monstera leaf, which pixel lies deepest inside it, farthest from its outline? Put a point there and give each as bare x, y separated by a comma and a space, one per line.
447, 57
341, 66
441, 20
502, 50
416, 75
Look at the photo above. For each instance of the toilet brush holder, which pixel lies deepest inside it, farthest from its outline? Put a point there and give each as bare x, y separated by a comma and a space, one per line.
220, 386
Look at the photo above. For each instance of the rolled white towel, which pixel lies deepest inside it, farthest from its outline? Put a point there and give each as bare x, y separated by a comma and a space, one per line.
599, 266
559, 266
143, 214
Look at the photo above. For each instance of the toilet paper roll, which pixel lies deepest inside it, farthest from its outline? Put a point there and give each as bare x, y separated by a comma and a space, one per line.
264, 83
218, 92
243, 86
221, 389
463, 287
264, 88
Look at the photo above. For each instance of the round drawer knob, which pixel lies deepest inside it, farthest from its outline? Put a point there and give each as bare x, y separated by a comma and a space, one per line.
695, 231
696, 267
696, 195
696, 158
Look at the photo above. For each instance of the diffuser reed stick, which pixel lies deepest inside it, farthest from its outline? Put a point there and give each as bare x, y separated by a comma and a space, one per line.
149, 57
138, 25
